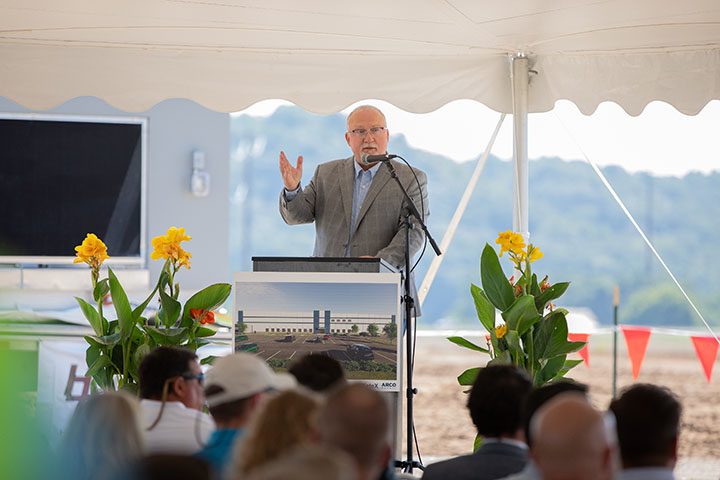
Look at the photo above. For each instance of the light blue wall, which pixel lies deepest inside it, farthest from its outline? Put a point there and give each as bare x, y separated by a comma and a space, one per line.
175, 128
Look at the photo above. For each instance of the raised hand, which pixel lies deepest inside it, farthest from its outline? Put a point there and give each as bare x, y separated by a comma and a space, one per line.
291, 175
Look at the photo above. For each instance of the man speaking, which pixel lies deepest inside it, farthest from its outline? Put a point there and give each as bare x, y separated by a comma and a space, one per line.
356, 206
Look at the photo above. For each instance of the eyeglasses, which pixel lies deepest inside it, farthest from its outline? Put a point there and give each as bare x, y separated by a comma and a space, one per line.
361, 132
200, 377
166, 390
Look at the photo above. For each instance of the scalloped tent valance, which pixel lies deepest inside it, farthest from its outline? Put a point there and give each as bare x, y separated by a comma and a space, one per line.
416, 54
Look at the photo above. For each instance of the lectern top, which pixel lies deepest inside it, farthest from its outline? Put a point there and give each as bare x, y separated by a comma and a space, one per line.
321, 264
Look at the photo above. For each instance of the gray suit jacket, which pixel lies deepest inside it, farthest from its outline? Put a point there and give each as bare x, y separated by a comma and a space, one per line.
491, 461
327, 201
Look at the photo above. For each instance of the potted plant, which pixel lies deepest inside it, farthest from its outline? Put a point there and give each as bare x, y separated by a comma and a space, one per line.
118, 346
533, 332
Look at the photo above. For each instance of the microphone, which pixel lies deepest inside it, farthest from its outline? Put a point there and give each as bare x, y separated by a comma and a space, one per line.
366, 159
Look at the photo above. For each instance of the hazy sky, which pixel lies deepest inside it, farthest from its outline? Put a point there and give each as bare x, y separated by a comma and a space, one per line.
661, 140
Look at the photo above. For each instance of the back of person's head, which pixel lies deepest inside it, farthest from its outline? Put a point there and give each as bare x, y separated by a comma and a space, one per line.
497, 398
648, 426
234, 382
161, 365
541, 395
356, 419
285, 421
170, 467
571, 440
103, 436
308, 461
317, 372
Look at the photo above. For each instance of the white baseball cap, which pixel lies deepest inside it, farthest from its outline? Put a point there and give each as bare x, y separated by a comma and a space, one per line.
242, 375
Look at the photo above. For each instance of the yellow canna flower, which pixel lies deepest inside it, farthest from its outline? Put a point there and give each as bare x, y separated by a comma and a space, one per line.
177, 235
168, 246
184, 258
500, 331
510, 241
92, 251
534, 253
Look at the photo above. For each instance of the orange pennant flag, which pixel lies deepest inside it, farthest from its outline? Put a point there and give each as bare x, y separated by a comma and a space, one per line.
584, 352
706, 349
636, 339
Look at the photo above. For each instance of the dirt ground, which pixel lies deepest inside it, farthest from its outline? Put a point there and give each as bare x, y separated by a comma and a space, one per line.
444, 428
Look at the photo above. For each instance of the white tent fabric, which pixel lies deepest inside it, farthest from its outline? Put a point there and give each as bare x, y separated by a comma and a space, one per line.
325, 55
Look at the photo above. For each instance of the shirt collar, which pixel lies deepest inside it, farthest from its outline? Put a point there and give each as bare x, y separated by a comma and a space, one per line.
506, 441
660, 473
373, 170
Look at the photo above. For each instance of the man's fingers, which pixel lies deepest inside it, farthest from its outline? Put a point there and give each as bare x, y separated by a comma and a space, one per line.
291, 175
285, 167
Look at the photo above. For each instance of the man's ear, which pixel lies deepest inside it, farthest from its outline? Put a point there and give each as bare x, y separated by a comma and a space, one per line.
673, 452
385, 456
347, 138
610, 462
178, 388
255, 401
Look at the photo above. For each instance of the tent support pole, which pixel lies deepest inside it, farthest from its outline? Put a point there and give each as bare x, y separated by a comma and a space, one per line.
519, 76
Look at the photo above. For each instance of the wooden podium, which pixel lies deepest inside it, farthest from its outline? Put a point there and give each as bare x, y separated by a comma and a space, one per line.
346, 308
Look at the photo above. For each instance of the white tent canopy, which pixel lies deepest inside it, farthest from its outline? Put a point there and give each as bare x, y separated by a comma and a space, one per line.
514, 56
325, 55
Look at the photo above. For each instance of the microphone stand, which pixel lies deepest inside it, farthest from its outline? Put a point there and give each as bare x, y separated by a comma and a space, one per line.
408, 464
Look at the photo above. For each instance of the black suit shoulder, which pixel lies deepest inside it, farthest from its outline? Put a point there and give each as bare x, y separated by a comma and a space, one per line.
492, 461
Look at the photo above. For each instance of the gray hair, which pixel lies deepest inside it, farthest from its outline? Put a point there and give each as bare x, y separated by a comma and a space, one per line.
319, 462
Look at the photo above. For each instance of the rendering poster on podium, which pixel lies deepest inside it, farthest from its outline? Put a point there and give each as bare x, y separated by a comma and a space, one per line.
352, 317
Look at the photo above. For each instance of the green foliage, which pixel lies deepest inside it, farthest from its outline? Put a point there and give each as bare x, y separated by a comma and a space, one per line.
119, 345
477, 443
659, 304
279, 364
467, 378
390, 329
354, 329
468, 344
348, 365
485, 310
367, 366
532, 337
496, 285
373, 330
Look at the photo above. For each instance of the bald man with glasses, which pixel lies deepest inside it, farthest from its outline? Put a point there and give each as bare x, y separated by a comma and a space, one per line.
357, 208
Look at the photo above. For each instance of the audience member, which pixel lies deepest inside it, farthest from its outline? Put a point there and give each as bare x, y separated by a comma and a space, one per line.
495, 403
648, 425
356, 419
571, 441
163, 466
284, 422
103, 436
537, 398
234, 388
172, 399
318, 372
314, 462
